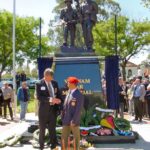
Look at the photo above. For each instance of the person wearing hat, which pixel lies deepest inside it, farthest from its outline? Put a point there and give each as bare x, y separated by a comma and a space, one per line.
69, 17
8, 98
71, 114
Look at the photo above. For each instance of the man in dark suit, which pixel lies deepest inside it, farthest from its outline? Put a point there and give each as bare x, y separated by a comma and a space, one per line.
48, 95
71, 113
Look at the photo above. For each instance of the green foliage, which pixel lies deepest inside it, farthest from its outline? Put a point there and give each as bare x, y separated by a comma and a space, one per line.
146, 3
132, 37
26, 40
34, 73
90, 117
31, 104
122, 124
106, 8
146, 62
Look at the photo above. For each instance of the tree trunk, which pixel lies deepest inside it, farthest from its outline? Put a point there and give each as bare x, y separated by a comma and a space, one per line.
124, 72
123, 65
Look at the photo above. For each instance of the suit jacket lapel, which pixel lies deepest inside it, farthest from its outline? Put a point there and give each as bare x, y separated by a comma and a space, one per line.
44, 83
74, 93
53, 84
68, 97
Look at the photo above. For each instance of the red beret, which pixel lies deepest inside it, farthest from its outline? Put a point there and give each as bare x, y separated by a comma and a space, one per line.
73, 80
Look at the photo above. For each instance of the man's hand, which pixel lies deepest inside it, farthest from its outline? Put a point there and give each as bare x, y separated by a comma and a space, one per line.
56, 101
72, 124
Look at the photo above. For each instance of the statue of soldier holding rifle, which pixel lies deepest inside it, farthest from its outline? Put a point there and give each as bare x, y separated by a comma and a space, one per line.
69, 19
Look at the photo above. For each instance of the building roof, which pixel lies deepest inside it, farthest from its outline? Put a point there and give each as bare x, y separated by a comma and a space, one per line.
130, 64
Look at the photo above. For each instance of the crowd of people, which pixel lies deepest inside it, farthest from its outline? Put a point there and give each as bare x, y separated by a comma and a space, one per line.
134, 97
7, 97
20, 77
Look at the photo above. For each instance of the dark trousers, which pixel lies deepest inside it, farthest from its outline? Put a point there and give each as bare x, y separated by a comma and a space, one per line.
8, 103
87, 27
0, 111
18, 84
47, 120
138, 108
69, 29
148, 105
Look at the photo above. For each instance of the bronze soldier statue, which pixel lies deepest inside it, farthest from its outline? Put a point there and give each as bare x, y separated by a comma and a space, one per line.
89, 10
69, 19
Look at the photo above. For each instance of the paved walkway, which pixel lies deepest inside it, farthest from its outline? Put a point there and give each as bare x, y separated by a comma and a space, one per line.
8, 128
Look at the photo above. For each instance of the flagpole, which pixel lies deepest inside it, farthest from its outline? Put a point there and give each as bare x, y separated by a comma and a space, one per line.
14, 57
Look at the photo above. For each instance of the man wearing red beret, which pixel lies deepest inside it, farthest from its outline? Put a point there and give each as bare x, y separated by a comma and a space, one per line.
71, 114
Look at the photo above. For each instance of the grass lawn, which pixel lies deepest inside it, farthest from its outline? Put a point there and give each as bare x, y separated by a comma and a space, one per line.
32, 103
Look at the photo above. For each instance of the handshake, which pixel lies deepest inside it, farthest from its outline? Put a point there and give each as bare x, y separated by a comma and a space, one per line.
54, 101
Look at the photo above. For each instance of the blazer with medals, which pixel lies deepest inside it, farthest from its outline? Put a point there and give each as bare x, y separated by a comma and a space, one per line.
72, 108
43, 96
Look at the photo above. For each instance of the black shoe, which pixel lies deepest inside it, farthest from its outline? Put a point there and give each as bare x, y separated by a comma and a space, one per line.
41, 148
53, 146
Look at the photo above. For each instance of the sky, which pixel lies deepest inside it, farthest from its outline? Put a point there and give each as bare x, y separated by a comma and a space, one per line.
43, 8
134, 9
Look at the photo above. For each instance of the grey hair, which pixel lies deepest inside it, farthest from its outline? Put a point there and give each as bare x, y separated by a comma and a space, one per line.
48, 72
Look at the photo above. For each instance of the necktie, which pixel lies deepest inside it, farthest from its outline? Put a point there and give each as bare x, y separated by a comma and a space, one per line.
67, 98
50, 90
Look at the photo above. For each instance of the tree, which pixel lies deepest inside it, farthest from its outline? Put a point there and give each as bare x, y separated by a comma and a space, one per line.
146, 3
146, 62
26, 40
133, 37
106, 9
34, 73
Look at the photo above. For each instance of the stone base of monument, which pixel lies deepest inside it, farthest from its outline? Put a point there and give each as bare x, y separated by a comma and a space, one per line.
112, 139
85, 66
74, 52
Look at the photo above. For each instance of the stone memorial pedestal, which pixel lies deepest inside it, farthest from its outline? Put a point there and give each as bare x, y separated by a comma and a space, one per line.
85, 66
